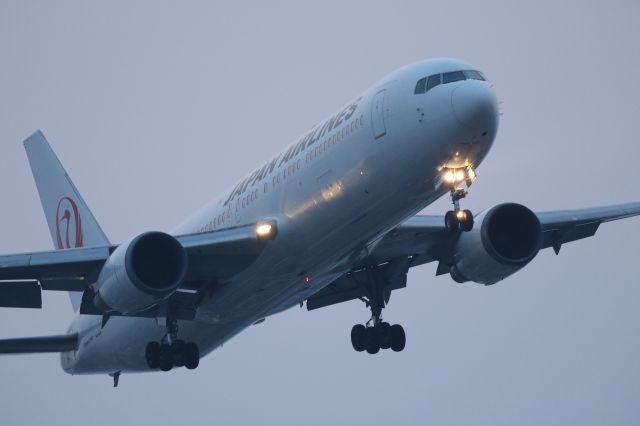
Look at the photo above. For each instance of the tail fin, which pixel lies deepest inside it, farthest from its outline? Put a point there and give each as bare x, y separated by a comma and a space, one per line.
70, 221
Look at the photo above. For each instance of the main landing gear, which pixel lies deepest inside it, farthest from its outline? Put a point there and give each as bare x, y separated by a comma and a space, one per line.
458, 219
377, 334
171, 352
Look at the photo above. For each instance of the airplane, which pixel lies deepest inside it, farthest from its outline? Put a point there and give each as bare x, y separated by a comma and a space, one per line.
332, 218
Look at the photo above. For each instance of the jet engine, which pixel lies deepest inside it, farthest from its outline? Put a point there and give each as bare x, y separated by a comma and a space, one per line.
505, 238
141, 273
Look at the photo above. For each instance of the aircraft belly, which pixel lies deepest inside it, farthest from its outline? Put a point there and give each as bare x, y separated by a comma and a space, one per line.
120, 345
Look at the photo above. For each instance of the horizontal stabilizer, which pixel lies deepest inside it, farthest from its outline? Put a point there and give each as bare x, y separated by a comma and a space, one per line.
27, 345
20, 294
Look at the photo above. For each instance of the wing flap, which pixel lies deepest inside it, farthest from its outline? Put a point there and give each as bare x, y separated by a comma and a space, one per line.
341, 290
354, 285
20, 294
557, 237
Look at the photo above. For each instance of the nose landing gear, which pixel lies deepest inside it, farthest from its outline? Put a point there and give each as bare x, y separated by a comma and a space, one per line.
171, 352
458, 219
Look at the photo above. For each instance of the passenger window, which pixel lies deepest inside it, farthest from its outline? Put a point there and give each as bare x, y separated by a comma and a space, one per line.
420, 86
433, 81
450, 77
474, 75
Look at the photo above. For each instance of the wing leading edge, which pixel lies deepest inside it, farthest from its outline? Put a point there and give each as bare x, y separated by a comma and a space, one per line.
211, 256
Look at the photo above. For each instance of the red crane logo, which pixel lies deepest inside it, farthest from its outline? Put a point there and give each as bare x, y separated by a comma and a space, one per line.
68, 220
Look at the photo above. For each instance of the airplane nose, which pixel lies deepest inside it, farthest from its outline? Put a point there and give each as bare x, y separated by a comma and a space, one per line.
475, 106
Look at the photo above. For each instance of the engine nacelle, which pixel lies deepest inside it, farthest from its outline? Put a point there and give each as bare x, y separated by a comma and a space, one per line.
504, 239
141, 273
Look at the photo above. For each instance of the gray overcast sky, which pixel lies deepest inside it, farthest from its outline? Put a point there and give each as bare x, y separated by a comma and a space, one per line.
155, 107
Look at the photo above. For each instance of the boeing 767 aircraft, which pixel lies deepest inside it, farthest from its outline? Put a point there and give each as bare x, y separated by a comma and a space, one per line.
332, 218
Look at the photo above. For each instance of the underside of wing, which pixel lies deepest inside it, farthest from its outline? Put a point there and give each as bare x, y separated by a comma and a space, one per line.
503, 240
133, 276
563, 226
23, 276
221, 254
419, 240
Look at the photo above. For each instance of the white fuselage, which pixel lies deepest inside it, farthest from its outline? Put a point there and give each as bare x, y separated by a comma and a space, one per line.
334, 193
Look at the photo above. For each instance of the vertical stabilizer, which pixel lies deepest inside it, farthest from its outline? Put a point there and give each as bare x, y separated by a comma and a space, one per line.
70, 221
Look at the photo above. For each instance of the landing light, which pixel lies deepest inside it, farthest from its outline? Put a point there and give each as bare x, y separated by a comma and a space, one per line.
455, 176
264, 230
460, 214
471, 174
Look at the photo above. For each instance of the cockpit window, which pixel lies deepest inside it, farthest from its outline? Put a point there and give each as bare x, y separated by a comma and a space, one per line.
426, 84
450, 77
474, 75
433, 81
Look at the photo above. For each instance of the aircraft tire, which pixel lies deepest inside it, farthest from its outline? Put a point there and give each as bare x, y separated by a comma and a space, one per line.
191, 356
384, 334
373, 342
166, 358
359, 337
467, 224
152, 355
398, 338
178, 353
451, 221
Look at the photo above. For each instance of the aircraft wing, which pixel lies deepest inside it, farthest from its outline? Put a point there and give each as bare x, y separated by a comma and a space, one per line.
564, 226
211, 255
424, 239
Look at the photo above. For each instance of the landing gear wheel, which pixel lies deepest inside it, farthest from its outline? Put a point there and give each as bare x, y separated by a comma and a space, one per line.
466, 224
384, 333
178, 353
191, 355
378, 334
166, 358
398, 338
458, 219
152, 355
358, 337
373, 343
451, 221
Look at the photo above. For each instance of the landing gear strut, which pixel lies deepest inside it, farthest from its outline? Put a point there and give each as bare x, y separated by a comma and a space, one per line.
377, 334
171, 352
458, 219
